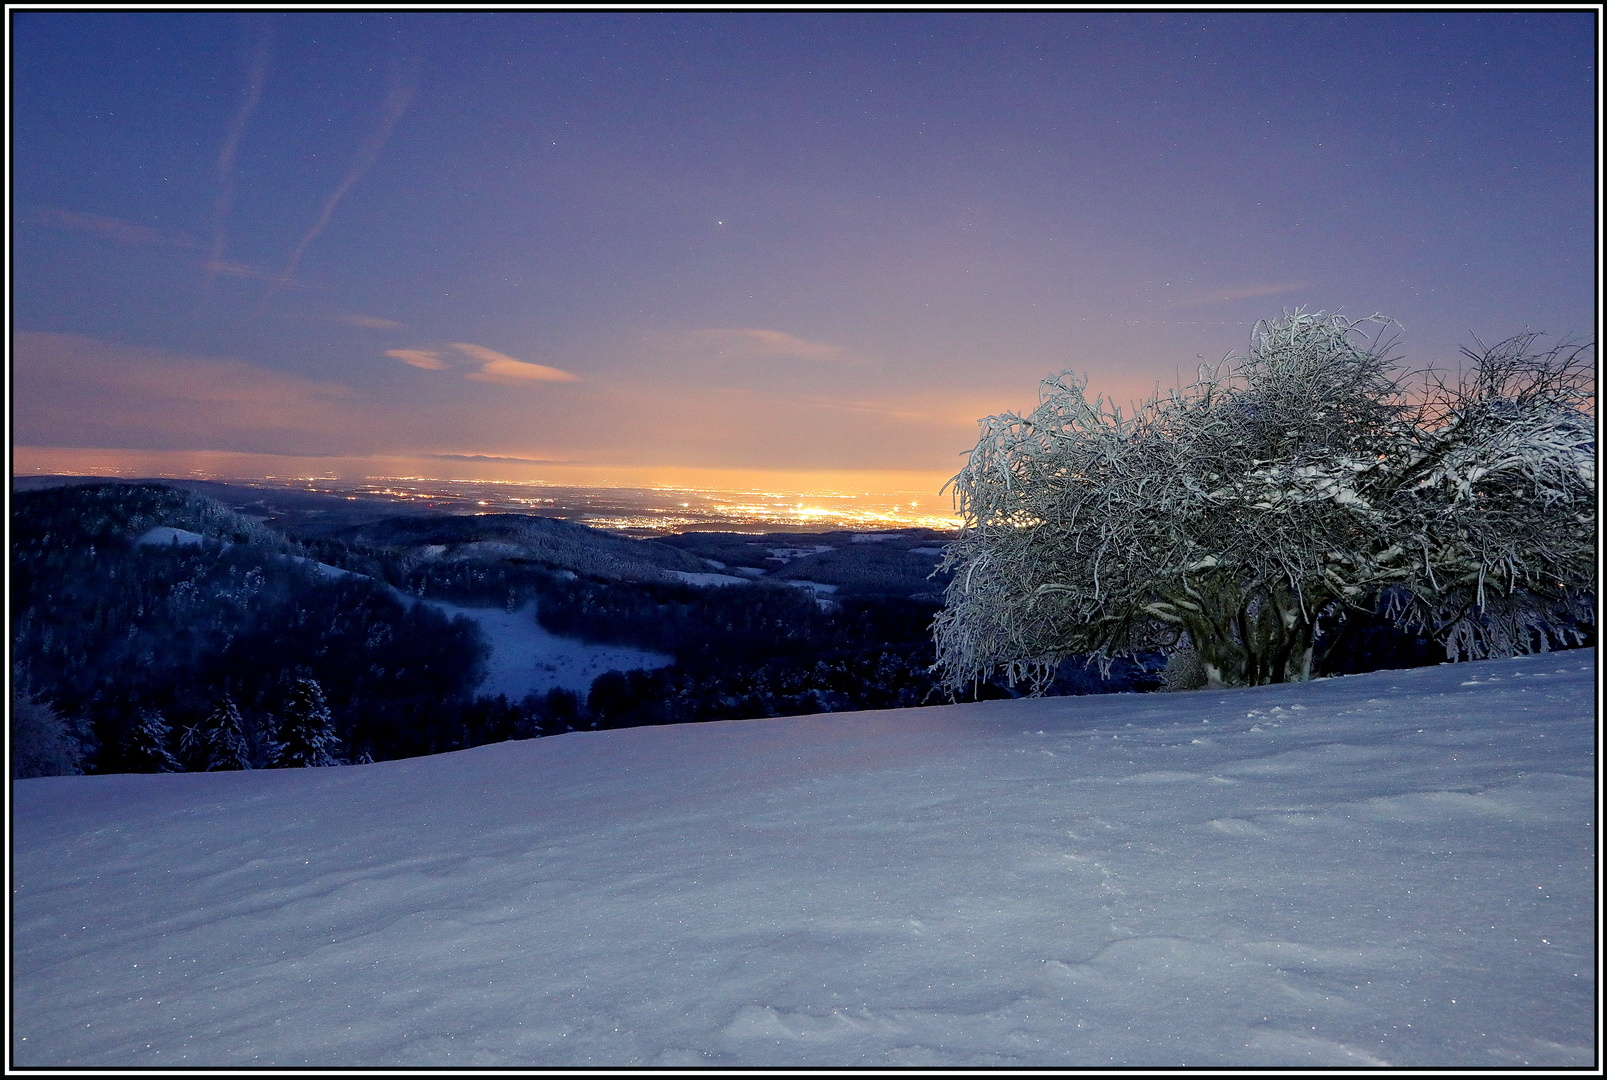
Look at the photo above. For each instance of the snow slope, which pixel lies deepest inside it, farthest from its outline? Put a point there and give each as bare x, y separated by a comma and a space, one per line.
166, 534
527, 658
710, 579
1392, 868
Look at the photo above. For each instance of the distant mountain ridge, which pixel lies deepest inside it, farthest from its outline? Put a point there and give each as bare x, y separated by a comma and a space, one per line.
899, 562
893, 563
106, 509
555, 542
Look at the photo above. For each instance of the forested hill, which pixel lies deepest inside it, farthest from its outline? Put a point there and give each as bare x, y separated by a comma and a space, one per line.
145, 612
105, 628
113, 509
133, 650
548, 542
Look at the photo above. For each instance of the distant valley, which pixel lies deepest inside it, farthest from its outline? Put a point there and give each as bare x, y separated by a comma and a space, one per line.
531, 625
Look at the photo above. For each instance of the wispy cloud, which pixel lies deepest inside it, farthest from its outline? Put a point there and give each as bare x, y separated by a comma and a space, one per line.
399, 93
241, 270
494, 367
369, 322
505, 370
419, 358
70, 390
1248, 292
123, 232
755, 344
256, 77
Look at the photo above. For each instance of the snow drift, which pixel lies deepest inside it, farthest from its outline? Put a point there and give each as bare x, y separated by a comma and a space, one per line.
1391, 868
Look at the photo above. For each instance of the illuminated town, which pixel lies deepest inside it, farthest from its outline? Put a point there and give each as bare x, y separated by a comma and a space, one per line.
642, 511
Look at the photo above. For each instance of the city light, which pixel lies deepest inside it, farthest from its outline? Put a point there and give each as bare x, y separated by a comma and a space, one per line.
665, 510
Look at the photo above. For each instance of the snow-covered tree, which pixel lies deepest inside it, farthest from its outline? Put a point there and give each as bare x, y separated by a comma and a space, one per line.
306, 731
265, 744
146, 747
218, 742
1284, 487
42, 743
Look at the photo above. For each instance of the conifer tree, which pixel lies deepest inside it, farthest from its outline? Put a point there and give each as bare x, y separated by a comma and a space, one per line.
190, 748
307, 731
222, 740
267, 742
147, 750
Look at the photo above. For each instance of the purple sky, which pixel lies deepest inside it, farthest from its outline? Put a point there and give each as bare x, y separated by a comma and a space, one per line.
809, 242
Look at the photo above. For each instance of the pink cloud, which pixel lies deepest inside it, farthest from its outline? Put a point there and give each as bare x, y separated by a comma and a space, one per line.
504, 370
419, 358
79, 392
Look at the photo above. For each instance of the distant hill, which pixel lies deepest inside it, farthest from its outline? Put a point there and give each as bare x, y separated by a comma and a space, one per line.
105, 627
298, 513
893, 563
550, 542
40, 483
103, 509
869, 570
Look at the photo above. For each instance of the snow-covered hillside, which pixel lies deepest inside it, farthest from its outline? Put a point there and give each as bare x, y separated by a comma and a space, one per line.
1392, 868
527, 658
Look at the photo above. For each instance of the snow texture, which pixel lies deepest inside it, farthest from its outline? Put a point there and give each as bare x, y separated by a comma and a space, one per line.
1384, 869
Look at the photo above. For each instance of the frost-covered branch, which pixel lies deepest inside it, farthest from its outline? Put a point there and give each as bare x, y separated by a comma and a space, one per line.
1284, 485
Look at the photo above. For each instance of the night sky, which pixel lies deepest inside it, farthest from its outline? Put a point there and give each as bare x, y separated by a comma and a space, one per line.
695, 248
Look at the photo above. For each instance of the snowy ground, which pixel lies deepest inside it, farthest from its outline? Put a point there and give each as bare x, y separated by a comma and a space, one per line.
709, 579
527, 658
1392, 868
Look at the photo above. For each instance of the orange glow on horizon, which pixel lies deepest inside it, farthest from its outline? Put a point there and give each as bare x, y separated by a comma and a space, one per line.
841, 498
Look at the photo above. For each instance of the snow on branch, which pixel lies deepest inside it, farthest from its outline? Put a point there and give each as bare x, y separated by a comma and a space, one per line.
1297, 481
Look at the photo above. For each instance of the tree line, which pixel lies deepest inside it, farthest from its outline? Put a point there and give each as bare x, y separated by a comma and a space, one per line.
176, 656
105, 631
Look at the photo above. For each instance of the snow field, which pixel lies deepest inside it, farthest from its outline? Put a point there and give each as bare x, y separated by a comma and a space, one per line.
166, 534
709, 579
1391, 868
527, 658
